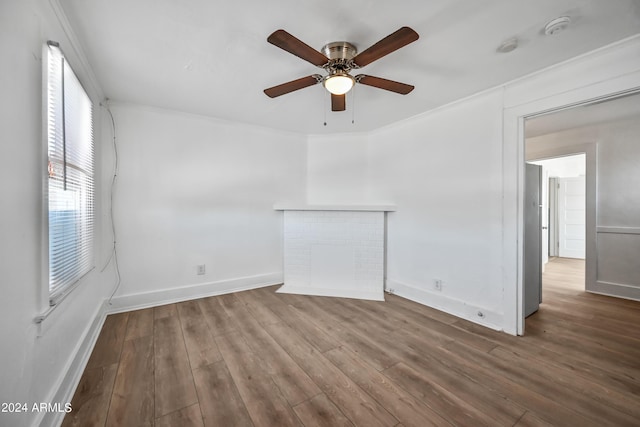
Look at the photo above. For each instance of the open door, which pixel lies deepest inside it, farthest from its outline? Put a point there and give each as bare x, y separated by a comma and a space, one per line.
532, 239
571, 217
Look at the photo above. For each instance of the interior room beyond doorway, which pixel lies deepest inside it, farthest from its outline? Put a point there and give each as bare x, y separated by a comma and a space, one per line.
563, 208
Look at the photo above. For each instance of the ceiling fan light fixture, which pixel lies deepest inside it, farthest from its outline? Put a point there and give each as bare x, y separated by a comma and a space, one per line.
338, 83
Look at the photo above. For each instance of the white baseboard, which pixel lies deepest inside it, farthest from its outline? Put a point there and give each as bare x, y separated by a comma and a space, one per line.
185, 293
341, 293
464, 310
68, 383
616, 290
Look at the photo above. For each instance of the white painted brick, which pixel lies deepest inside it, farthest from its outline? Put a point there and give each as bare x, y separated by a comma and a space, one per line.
361, 232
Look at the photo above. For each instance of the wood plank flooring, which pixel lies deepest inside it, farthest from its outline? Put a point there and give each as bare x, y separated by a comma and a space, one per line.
258, 358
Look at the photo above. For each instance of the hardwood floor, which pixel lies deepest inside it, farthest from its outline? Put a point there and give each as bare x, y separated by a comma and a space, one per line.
258, 358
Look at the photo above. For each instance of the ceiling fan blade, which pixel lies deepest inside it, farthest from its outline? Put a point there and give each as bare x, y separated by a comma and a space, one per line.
385, 84
338, 102
291, 86
287, 42
391, 43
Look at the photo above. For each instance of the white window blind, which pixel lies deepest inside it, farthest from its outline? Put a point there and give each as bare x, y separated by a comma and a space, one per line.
71, 175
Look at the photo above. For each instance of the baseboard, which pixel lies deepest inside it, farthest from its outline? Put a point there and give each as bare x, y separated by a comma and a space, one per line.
464, 310
341, 293
185, 293
65, 389
616, 290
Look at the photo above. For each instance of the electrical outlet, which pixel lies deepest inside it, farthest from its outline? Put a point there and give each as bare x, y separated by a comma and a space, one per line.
200, 269
437, 284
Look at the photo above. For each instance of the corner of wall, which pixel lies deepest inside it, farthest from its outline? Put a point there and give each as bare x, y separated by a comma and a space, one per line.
184, 293
462, 309
67, 383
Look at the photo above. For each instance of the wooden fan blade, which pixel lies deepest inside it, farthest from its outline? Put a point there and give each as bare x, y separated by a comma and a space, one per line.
391, 43
287, 42
291, 86
338, 102
385, 84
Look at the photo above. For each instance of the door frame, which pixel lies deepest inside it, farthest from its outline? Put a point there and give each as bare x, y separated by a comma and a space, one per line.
513, 191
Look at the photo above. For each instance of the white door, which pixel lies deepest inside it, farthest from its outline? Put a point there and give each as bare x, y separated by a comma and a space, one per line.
571, 217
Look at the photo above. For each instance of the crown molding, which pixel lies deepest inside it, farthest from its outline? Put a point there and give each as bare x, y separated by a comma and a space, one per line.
79, 57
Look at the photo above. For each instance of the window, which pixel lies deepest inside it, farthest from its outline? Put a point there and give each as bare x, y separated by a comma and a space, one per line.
70, 175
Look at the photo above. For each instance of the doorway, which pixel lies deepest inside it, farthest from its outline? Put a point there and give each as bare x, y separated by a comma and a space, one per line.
555, 223
567, 194
563, 206
562, 224
606, 127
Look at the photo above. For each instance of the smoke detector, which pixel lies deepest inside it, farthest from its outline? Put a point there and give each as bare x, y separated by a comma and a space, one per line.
557, 25
508, 45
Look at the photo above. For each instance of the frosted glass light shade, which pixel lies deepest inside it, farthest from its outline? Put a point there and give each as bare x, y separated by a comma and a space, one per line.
339, 84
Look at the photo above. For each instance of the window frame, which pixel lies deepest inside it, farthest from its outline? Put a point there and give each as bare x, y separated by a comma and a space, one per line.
56, 295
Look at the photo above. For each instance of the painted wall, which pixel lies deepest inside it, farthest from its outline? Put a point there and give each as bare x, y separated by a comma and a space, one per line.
446, 182
448, 220
443, 171
617, 196
37, 365
193, 190
338, 169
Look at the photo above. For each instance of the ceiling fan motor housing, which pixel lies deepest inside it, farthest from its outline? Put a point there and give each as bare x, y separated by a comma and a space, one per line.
339, 50
340, 56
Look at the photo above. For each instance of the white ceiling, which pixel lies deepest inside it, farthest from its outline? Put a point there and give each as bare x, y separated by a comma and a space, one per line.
212, 58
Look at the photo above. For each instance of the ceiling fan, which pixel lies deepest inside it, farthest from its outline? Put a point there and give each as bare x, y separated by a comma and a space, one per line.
338, 59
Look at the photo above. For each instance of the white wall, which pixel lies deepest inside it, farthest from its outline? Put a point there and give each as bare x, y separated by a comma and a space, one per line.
35, 368
617, 201
338, 169
193, 190
446, 180
443, 171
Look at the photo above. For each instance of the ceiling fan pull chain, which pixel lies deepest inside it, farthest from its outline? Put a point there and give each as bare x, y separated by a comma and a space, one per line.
353, 103
324, 106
